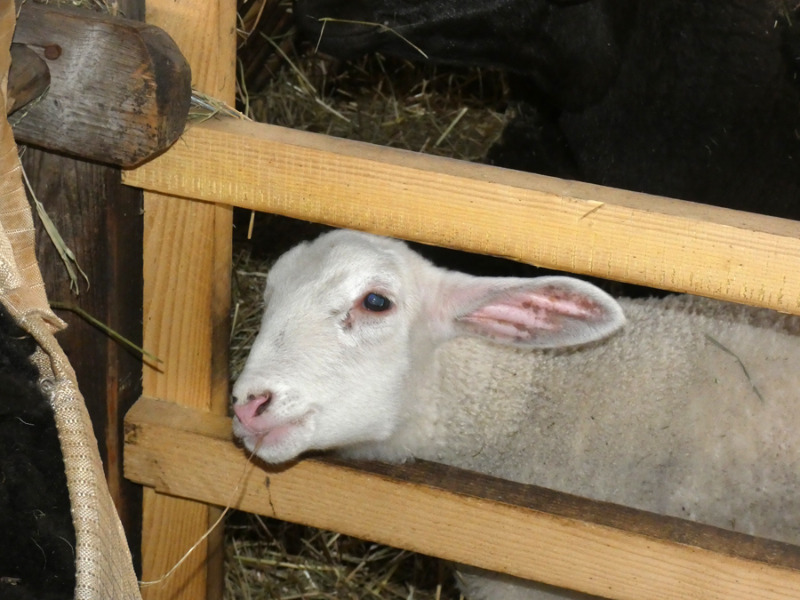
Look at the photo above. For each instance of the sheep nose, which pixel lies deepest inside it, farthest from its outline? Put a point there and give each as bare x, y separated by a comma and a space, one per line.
253, 407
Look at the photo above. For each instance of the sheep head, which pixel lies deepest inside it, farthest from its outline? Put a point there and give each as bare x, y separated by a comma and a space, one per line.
352, 321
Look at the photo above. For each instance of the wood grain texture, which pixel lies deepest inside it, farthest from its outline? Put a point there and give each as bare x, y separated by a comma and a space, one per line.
178, 257
522, 530
119, 89
548, 222
187, 258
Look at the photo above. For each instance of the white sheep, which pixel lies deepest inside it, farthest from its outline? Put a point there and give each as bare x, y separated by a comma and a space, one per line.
689, 408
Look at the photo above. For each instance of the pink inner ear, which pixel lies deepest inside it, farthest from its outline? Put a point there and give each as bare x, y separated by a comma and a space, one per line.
520, 313
513, 319
547, 315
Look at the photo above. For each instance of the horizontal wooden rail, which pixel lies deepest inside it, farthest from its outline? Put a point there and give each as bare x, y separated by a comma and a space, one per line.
548, 222
466, 517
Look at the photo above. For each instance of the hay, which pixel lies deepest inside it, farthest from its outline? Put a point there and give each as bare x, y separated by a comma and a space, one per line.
386, 101
110, 7
458, 114
455, 113
273, 559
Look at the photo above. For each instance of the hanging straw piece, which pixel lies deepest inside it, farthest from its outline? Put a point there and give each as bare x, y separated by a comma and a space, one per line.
107, 330
380, 26
249, 466
67, 256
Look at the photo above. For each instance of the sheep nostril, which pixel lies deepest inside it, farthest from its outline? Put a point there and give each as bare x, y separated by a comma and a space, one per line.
264, 402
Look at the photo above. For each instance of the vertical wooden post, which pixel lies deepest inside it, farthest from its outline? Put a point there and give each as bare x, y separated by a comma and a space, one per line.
186, 303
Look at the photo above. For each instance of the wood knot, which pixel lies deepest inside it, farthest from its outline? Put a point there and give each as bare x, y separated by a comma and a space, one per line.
52, 51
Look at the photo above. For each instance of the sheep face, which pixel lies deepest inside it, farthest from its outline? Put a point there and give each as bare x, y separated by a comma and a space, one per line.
328, 365
349, 333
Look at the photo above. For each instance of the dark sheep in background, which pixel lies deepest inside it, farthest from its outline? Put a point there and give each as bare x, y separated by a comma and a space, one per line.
692, 100
37, 536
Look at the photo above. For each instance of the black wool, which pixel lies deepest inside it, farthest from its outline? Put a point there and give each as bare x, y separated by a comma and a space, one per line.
37, 536
692, 100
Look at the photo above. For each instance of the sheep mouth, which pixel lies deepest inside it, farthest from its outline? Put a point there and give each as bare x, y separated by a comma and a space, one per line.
273, 435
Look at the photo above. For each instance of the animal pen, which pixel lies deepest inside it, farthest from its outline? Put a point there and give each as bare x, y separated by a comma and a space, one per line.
177, 437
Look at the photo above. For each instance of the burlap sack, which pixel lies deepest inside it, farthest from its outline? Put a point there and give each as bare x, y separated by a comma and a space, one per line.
103, 562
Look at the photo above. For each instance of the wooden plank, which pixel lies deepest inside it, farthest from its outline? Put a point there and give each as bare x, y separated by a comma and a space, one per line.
182, 285
119, 89
466, 517
187, 258
553, 223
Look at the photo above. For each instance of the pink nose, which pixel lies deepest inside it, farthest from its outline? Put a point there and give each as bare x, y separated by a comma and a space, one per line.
252, 408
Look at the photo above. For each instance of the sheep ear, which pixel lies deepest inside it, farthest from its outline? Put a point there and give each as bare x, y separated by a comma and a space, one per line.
545, 312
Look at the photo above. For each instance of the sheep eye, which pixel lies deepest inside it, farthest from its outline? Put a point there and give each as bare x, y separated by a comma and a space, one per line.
376, 302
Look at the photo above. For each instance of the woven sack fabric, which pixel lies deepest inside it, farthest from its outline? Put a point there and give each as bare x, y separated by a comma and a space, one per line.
103, 563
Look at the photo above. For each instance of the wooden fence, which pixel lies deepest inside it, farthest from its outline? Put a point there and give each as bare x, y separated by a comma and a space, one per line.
178, 439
